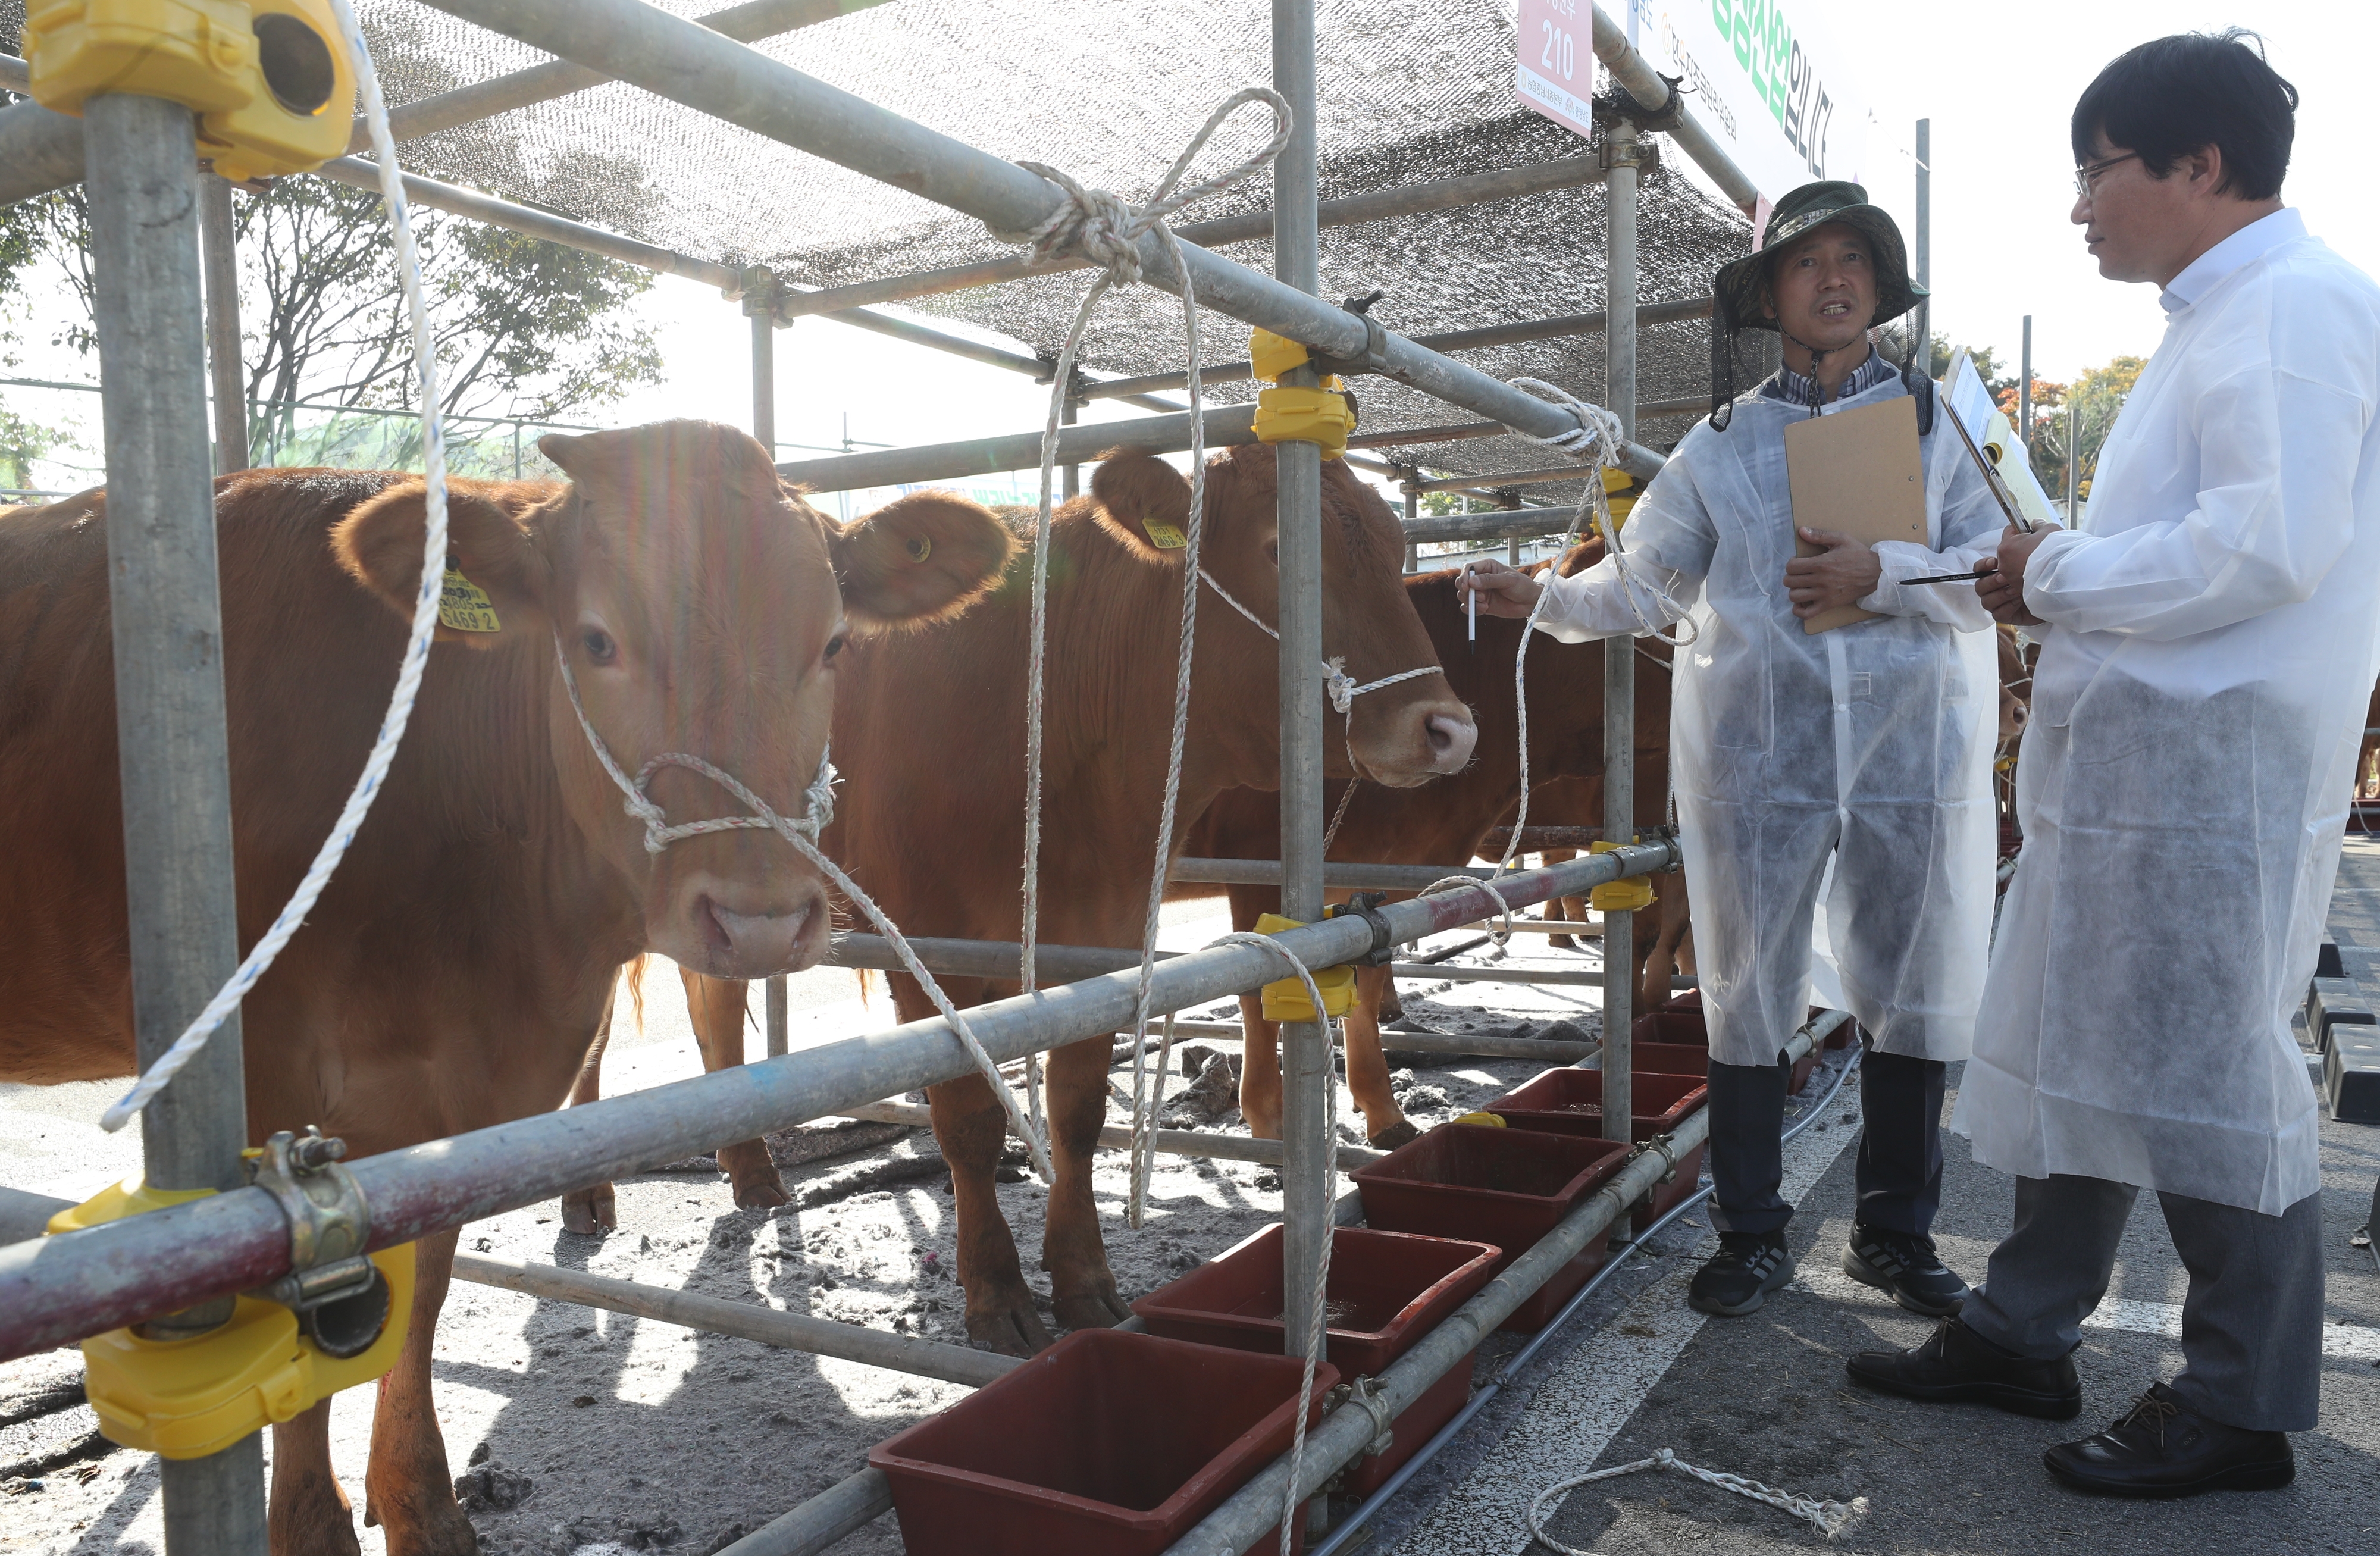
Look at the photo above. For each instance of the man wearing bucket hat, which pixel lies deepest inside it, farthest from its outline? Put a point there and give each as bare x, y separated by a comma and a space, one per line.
1867, 747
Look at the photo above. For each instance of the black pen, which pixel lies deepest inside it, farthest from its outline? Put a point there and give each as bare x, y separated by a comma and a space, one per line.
1949, 578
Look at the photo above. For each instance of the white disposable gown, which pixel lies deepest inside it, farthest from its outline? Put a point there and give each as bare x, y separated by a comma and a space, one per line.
1871, 743
2185, 777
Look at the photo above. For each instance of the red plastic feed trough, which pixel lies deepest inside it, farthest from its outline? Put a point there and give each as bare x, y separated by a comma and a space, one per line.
1105, 1445
1682, 1021
1505, 1186
1567, 1101
1387, 1290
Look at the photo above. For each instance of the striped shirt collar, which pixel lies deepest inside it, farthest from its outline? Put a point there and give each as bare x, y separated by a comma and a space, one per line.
1795, 389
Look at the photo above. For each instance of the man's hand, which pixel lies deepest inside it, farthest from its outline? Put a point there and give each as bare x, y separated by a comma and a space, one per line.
2001, 587
1842, 574
1501, 590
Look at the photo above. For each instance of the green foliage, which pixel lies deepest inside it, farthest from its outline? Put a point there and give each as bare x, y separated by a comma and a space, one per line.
22, 441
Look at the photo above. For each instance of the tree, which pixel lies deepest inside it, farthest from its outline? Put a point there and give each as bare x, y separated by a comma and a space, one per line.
2094, 399
522, 327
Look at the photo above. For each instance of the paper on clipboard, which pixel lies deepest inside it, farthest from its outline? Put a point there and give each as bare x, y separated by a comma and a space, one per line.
1858, 473
1991, 431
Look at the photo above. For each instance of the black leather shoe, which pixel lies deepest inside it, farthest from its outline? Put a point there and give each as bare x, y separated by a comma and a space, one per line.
2162, 1448
1905, 1269
1738, 1278
1956, 1366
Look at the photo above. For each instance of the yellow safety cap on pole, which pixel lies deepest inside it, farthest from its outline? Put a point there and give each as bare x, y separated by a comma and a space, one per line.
189, 1398
1286, 1001
1620, 499
1619, 896
1489, 1121
271, 80
1273, 354
1314, 415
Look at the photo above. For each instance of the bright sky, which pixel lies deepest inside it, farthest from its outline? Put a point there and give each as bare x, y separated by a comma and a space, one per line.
1999, 92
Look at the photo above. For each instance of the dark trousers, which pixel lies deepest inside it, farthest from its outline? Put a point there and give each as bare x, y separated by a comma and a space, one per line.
1899, 1170
2251, 1321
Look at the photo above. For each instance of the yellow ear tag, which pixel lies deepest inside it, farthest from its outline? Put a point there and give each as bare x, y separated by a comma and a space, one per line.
465, 606
1164, 537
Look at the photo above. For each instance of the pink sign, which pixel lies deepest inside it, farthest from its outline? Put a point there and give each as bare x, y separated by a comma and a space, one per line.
1556, 65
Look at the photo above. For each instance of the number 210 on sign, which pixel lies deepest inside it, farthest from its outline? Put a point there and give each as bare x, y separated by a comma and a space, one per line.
1552, 79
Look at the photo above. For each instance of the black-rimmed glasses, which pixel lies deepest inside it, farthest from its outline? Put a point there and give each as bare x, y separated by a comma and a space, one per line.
2088, 174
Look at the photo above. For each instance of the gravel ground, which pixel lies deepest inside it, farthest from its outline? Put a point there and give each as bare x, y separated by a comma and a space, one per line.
591, 1432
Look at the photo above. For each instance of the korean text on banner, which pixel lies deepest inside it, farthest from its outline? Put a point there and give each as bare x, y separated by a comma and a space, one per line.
1556, 70
1763, 78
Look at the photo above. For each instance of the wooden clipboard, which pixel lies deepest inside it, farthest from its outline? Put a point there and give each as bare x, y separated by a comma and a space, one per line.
1858, 473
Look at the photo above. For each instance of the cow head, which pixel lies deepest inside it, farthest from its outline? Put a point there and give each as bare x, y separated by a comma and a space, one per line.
697, 604
1399, 735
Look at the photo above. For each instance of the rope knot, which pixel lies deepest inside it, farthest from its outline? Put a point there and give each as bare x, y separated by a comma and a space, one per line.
1340, 685
1597, 439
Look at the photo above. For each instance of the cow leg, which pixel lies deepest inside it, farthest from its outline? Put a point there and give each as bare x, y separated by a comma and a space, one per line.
1385, 1125
1259, 1070
1082, 1289
589, 1211
972, 1130
309, 1512
1559, 906
717, 1005
1390, 1007
409, 1489
1652, 971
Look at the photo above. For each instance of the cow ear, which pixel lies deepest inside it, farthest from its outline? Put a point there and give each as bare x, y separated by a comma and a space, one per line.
1145, 502
496, 578
923, 557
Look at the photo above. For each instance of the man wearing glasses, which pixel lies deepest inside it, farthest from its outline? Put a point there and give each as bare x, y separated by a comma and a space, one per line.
2211, 633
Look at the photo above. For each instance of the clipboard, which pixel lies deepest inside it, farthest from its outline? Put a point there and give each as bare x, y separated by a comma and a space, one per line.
1858, 473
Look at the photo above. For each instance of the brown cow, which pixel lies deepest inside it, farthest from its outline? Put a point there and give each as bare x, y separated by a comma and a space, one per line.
1445, 823
452, 975
932, 821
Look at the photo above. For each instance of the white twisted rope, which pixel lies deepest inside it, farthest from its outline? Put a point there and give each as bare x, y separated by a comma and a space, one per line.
819, 811
417, 646
1453, 882
1103, 229
1829, 1518
1340, 686
1346, 797
1599, 440
1317, 1333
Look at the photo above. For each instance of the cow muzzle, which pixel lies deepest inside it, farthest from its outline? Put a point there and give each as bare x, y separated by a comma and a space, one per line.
1413, 741
726, 944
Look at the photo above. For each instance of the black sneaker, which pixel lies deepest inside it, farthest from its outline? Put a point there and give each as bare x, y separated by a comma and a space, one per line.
1957, 1365
2162, 1448
1905, 1269
1738, 1278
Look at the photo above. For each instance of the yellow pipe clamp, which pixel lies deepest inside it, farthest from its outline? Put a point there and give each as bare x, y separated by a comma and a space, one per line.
1626, 895
1286, 999
187, 1397
271, 80
1293, 413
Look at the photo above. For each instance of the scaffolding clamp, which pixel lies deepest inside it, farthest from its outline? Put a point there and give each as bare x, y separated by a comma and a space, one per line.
186, 1388
1625, 895
1286, 999
763, 295
1667, 1150
271, 80
1367, 907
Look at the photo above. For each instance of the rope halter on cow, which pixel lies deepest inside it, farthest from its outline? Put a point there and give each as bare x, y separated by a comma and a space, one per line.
818, 804
1340, 686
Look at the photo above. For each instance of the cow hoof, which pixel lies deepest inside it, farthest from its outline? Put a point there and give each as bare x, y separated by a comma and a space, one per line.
765, 1194
1012, 1332
590, 1212
1400, 1133
1102, 1307
1561, 942
442, 1530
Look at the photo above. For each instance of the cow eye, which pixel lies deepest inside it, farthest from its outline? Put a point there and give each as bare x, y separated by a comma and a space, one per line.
834, 646
601, 649
1272, 551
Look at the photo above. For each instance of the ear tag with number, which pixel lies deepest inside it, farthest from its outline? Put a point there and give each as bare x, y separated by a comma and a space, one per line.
1164, 537
465, 606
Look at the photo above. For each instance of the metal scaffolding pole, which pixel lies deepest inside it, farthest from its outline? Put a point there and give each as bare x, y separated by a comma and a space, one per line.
688, 64
2024, 390
1622, 152
1307, 1180
1481, 339
62, 1289
173, 760
1924, 244
760, 301
1412, 512
2073, 461
218, 247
